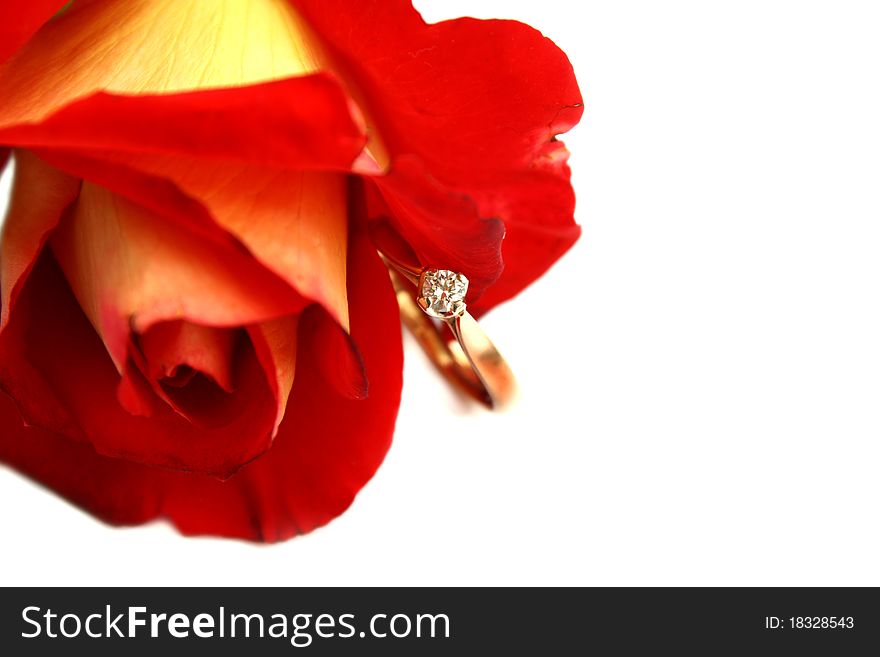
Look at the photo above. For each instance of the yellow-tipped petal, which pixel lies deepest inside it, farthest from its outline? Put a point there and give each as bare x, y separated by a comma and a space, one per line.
155, 46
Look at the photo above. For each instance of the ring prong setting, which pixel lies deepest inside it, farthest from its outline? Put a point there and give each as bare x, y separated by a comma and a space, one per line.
442, 293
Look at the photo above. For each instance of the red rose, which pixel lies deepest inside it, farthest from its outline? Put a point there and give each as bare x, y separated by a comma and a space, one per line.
195, 324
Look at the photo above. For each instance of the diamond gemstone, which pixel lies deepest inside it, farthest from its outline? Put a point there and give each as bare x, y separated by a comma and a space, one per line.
442, 293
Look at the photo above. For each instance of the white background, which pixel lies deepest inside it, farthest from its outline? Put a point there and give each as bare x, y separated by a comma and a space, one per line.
701, 374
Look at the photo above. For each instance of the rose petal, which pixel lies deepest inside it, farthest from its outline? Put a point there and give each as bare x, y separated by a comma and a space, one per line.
39, 196
328, 447
294, 222
19, 21
443, 227
536, 205
130, 268
305, 123
275, 345
479, 103
337, 357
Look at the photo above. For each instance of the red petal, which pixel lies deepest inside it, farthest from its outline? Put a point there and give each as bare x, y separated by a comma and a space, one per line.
537, 206
303, 122
444, 228
327, 448
20, 20
337, 357
479, 103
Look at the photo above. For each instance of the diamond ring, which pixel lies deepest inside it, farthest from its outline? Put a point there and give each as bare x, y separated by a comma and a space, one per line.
430, 299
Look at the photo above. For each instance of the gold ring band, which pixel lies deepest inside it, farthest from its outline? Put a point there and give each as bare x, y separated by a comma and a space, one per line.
460, 350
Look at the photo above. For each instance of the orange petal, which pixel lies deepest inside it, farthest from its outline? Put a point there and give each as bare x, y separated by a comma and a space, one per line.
39, 195
294, 222
130, 268
275, 345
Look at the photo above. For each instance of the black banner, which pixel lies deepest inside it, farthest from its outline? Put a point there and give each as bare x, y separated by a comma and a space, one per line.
438, 621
